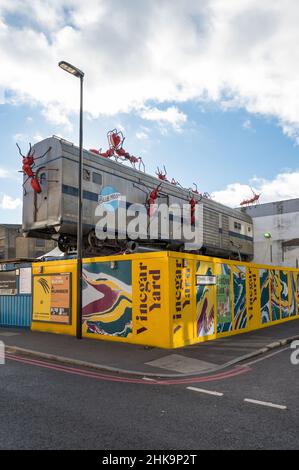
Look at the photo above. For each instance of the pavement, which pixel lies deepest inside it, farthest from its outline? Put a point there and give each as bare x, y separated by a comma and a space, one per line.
140, 360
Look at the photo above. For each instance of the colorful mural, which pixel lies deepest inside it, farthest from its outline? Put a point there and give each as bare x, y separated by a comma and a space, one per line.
205, 311
223, 298
284, 292
240, 311
275, 294
292, 295
107, 298
168, 299
265, 295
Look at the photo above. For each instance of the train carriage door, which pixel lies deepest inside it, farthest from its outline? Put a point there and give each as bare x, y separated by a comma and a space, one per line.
41, 199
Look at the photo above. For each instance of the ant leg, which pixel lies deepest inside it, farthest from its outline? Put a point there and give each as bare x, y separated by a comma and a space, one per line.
23, 185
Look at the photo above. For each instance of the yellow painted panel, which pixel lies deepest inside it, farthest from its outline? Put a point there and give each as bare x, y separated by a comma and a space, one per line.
42, 319
174, 299
151, 316
182, 300
253, 299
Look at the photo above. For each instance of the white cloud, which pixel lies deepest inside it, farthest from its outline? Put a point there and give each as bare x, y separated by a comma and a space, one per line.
171, 116
247, 124
4, 173
283, 186
38, 137
141, 135
10, 203
239, 54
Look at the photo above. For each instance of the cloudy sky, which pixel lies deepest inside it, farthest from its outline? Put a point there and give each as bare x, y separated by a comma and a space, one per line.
209, 88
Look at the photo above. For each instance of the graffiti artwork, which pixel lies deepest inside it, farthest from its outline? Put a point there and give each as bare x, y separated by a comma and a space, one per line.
275, 294
205, 310
265, 295
292, 293
240, 312
107, 299
223, 299
285, 308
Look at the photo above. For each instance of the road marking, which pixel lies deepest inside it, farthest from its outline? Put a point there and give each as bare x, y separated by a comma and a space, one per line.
267, 356
208, 392
148, 379
265, 403
111, 378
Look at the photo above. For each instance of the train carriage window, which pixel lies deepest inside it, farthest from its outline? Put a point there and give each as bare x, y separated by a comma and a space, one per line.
86, 175
97, 178
43, 178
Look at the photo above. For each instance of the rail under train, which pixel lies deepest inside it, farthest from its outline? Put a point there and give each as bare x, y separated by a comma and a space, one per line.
52, 212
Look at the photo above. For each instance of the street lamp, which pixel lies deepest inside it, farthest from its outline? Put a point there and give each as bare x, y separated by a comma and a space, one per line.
268, 236
79, 74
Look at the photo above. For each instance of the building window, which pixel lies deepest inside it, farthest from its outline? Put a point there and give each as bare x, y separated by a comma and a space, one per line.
40, 242
237, 225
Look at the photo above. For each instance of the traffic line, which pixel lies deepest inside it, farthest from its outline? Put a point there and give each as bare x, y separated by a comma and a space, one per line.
255, 361
208, 392
101, 376
265, 403
148, 379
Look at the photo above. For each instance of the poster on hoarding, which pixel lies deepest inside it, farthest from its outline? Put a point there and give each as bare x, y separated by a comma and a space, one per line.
224, 314
25, 281
52, 298
8, 283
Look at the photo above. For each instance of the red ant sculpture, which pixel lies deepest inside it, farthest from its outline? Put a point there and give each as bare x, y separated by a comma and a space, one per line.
154, 194
252, 200
28, 162
195, 191
175, 182
116, 150
162, 176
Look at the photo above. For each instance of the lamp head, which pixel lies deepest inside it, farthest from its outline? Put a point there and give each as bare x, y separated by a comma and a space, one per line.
71, 69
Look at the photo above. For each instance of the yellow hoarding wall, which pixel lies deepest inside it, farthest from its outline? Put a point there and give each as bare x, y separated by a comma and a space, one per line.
54, 296
163, 299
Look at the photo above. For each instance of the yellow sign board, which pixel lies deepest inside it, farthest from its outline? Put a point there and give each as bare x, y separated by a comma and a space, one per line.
52, 299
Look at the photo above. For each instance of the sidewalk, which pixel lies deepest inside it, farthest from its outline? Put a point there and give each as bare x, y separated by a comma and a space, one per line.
143, 360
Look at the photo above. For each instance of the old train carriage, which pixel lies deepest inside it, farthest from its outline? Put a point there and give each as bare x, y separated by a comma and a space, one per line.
52, 213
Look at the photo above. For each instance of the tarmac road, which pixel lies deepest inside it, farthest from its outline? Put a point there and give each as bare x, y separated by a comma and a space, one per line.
49, 406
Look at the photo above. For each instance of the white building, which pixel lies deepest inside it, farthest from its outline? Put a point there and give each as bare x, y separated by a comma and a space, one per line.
279, 221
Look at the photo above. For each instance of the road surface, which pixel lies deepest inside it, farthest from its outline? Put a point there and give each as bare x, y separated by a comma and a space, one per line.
44, 405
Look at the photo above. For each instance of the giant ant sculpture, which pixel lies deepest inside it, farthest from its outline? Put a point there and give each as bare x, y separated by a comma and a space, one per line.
116, 150
28, 163
163, 177
254, 199
201, 195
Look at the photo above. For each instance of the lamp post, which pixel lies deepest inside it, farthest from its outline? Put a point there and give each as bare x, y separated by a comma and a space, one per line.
79, 74
268, 237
